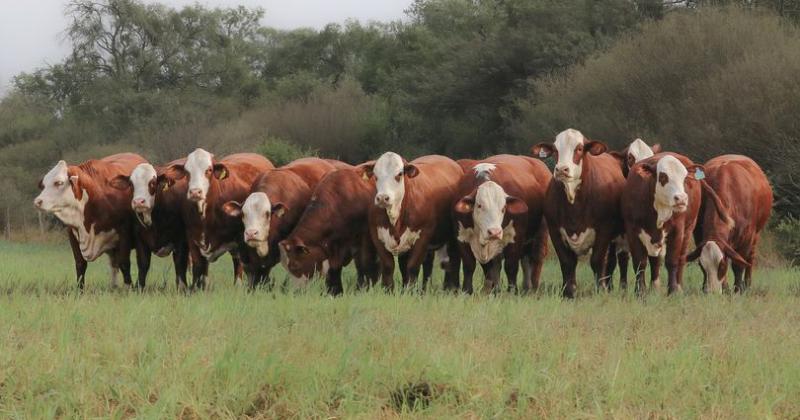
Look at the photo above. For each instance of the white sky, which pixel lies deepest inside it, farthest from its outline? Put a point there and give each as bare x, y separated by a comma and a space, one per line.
31, 31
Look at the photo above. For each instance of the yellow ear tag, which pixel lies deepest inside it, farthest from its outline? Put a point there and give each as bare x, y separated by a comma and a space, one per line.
223, 174
365, 176
165, 186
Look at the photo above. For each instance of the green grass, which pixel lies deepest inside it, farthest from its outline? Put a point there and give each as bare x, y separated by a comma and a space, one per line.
231, 354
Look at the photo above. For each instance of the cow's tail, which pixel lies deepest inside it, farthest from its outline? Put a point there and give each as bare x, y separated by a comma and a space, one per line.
712, 196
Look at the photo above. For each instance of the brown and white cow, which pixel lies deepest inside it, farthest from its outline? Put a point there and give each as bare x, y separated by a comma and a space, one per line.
636, 151
499, 219
211, 183
276, 202
582, 204
660, 205
332, 231
412, 215
159, 223
97, 215
746, 197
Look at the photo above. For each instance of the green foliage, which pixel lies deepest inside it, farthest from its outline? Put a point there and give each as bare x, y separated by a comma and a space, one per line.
703, 82
281, 152
787, 232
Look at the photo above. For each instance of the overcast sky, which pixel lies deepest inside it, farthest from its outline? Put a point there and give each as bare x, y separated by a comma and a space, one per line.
31, 31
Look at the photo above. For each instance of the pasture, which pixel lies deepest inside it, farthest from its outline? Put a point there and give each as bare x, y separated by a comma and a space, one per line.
227, 353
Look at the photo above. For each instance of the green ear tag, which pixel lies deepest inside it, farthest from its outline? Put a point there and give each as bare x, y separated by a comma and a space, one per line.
699, 174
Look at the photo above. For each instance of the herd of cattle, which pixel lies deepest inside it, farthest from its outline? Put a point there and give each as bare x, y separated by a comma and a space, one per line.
315, 215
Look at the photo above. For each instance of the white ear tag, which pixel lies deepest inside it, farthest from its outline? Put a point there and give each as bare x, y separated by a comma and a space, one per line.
542, 154
699, 174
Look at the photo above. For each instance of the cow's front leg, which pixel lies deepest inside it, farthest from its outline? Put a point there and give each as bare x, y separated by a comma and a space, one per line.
511, 260
199, 268
416, 256
123, 256
238, 269
427, 268
622, 259
673, 261
639, 258
180, 258
80, 262
491, 274
655, 272
611, 265
143, 256
387, 268
468, 263
598, 261
538, 253
451, 266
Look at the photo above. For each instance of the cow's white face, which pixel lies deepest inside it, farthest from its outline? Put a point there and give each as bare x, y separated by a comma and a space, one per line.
568, 169
670, 193
489, 210
143, 180
710, 259
58, 196
389, 173
199, 168
638, 150
256, 216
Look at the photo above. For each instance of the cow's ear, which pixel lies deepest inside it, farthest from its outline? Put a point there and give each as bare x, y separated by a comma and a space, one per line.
543, 150
697, 171
620, 156
120, 182
656, 148
41, 184
220, 171
411, 170
465, 205
515, 206
279, 209
75, 183
174, 172
366, 170
732, 254
301, 249
595, 147
163, 182
232, 209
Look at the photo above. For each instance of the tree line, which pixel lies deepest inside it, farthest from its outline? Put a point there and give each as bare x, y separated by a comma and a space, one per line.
457, 77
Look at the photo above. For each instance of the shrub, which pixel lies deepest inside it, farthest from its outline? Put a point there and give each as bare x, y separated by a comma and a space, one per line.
281, 151
787, 231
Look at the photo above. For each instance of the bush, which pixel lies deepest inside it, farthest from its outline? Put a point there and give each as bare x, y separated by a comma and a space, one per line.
787, 231
281, 151
701, 82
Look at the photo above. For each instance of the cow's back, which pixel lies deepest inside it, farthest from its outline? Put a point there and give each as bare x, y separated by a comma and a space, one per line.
111, 166
243, 169
311, 170
435, 187
743, 188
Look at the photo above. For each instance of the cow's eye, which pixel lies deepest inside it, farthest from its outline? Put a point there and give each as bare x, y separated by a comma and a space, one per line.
479, 206
208, 172
58, 183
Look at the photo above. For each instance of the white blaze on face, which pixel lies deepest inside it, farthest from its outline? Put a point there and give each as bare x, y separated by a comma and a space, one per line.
143, 201
670, 193
256, 216
566, 170
489, 210
390, 184
198, 167
710, 258
639, 150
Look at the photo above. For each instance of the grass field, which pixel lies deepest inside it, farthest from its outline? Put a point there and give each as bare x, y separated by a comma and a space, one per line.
231, 354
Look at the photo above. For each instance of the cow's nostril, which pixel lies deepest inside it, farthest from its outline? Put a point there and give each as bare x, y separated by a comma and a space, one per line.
37, 202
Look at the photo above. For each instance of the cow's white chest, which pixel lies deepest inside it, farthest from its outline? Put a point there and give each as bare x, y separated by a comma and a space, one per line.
94, 244
580, 243
486, 252
407, 240
657, 249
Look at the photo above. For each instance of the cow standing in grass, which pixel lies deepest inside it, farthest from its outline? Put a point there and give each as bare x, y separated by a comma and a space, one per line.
499, 219
660, 205
582, 204
333, 231
211, 183
746, 198
411, 216
97, 216
273, 207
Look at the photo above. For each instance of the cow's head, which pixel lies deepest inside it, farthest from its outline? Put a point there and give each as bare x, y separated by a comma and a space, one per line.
671, 176
200, 169
299, 259
62, 193
390, 171
143, 181
488, 207
256, 214
569, 149
713, 257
